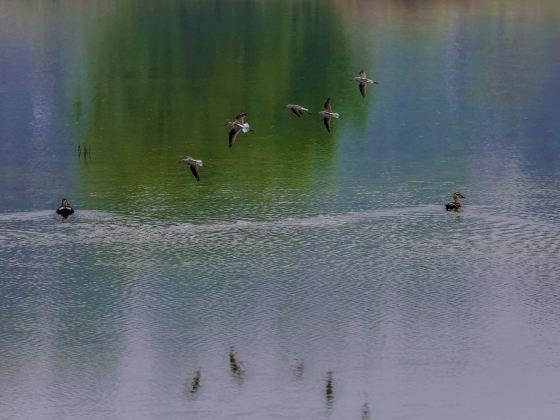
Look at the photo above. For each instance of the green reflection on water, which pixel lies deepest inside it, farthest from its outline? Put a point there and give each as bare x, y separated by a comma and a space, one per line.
159, 82
141, 83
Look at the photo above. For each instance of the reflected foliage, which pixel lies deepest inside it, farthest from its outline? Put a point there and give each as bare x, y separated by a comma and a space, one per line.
161, 80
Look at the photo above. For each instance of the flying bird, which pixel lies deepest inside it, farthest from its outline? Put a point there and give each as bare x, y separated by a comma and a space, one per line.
298, 110
193, 164
327, 114
238, 125
363, 82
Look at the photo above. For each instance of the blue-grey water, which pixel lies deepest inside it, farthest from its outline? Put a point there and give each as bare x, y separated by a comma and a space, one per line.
305, 252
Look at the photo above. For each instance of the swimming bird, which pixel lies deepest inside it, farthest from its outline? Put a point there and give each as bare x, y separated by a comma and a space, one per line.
456, 204
193, 164
298, 110
327, 114
65, 210
238, 125
363, 82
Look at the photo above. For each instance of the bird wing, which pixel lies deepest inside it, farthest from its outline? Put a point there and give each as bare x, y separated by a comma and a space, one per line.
363, 89
194, 172
232, 136
327, 122
327, 105
240, 118
296, 112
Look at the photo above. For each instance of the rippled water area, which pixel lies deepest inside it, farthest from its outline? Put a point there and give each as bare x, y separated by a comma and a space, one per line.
309, 274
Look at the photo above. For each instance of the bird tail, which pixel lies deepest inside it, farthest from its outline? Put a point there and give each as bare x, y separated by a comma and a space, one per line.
335, 115
198, 162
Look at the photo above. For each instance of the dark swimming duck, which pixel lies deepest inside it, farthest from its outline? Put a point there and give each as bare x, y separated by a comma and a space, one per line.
65, 210
456, 204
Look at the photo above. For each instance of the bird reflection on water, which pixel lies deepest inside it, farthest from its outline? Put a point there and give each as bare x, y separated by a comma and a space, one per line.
236, 366
329, 391
192, 388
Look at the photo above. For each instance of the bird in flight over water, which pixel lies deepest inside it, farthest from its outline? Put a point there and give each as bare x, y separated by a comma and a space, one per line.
327, 114
298, 110
193, 164
363, 82
238, 125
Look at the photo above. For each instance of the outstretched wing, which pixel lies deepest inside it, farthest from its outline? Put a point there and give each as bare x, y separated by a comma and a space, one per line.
327, 122
363, 89
327, 105
65, 211
232, 136
194, 172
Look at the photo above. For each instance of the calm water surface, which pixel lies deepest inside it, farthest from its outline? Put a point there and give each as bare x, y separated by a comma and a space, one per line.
306, 252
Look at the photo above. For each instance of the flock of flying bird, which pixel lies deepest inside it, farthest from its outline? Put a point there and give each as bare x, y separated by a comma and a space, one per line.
239, 125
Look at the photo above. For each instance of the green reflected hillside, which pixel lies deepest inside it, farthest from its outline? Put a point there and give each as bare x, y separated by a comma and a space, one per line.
161, 81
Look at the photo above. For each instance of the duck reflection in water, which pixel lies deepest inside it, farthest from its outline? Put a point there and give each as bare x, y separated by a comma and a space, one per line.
365, 412
298, 368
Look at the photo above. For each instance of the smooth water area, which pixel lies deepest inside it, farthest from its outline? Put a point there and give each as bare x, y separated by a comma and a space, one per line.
305, 252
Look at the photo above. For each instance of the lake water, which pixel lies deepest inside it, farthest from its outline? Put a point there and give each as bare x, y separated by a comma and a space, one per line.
305, 252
